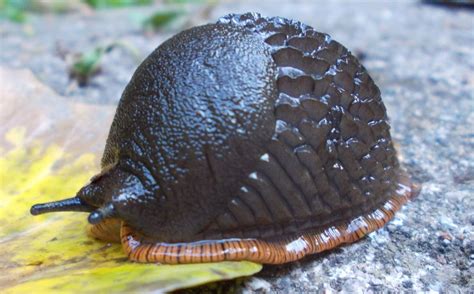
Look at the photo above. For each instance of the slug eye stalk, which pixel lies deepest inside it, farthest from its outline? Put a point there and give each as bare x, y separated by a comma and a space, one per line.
69, 204
102, 213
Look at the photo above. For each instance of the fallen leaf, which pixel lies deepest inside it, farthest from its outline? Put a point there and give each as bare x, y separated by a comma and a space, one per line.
50, 147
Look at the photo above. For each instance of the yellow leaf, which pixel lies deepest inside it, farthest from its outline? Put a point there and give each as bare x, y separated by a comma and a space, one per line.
52, 252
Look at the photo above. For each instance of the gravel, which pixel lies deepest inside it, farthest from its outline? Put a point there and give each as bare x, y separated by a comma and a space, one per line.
422, 58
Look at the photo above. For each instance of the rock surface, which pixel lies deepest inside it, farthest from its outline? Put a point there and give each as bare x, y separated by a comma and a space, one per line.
422, 58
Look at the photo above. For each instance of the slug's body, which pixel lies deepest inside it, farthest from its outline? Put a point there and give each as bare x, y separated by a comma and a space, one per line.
251, 139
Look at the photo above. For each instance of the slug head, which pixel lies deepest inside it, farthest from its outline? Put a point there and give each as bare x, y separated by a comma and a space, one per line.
109, 194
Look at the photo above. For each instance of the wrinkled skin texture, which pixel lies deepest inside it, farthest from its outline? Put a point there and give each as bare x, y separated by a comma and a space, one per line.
190, 110
249, 128
331, 158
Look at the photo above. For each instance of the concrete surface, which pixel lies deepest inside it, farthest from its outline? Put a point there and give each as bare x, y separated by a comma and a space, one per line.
422, 58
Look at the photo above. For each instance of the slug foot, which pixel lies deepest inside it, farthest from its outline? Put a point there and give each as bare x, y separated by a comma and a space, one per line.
108, 230
277, 251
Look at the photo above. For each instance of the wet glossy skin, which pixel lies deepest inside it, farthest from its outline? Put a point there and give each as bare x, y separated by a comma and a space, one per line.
249, 128
189, 125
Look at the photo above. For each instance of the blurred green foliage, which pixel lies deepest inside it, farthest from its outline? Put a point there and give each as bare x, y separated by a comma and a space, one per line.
161, 19
17, 10
84, 65
13, 10
186, 1
87, 64
116, 3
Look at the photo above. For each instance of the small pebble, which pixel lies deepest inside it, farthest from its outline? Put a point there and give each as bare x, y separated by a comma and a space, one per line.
407, 284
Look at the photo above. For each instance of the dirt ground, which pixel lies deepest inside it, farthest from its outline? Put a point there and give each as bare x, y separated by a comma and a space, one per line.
422, 58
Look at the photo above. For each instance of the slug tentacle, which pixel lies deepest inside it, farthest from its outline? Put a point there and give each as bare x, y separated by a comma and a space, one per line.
69, 204
102, 213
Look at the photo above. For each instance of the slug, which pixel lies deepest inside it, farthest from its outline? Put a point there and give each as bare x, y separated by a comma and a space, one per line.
253, 138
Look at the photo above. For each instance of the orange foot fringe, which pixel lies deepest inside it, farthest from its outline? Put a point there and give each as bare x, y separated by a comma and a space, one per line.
108, 230
260, 251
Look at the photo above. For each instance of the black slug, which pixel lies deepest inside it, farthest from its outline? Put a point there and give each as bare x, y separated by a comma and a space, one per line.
252, 138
